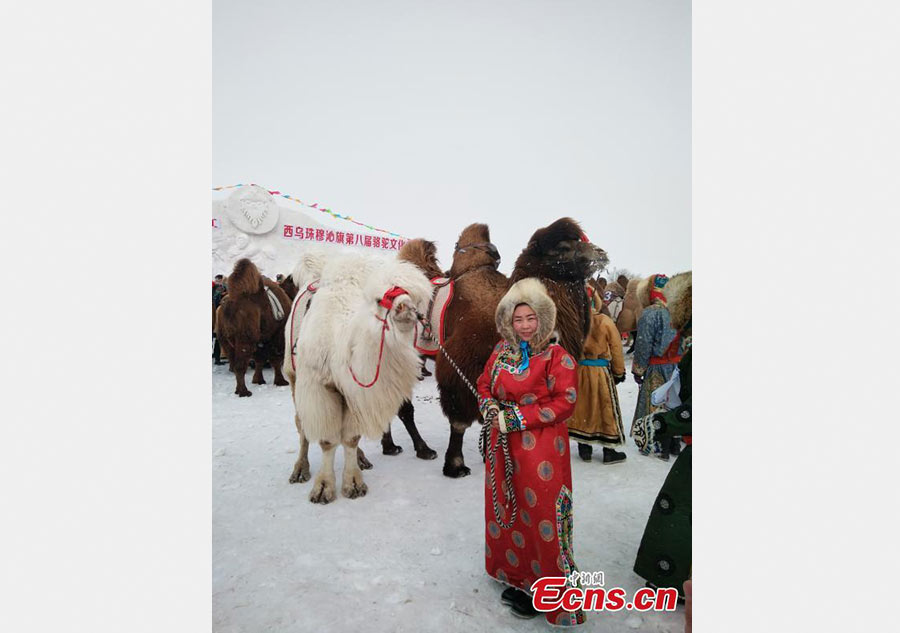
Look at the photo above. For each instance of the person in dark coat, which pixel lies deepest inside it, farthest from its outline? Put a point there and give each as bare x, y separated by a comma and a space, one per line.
218, 292
664, 556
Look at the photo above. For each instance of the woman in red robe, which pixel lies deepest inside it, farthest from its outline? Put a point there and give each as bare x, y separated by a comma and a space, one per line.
527, 392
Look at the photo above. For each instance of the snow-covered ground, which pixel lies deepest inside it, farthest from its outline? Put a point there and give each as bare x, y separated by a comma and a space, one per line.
409, 555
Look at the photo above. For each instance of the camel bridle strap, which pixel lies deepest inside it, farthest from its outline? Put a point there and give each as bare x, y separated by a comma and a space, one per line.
487, 247
386, 302
311, 289
489, 455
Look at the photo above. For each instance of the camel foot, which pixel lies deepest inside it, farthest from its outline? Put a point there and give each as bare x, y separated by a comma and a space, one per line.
299, 476
354, 488
456, 471
362, 462
322, 492
426, 453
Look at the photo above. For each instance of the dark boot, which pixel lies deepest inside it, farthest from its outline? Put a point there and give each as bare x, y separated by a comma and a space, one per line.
664, 455
675, 446
519, 601
510, 595
612, 456
585, 451
523, 607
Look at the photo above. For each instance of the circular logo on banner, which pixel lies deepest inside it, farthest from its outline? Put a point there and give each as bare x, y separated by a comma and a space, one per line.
252, 209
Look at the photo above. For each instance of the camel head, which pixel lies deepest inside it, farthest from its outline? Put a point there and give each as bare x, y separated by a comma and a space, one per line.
473, 250
402, 315
560, 251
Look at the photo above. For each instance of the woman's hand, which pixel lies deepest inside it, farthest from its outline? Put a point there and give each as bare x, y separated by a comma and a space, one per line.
638, 379
492, 417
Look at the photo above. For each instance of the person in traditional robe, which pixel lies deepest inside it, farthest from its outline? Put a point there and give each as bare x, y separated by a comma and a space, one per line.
526, 395
598, 418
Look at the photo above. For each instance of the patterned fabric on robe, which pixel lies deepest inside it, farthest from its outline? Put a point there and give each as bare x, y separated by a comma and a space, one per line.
653, 337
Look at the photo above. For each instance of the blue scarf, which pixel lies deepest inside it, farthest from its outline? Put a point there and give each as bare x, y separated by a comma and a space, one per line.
523, 345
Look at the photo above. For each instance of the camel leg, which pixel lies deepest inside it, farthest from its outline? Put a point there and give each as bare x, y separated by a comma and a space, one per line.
279, 376
228, 350
387, 444
353, 485
258, 375
323, 486
301, 467
240, 368
454, 464
361, 460
407, 415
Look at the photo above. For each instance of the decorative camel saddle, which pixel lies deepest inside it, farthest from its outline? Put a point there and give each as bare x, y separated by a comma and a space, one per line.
437, 308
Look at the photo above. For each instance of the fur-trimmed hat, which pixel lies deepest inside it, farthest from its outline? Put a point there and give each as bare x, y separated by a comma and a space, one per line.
678, 299
531, 291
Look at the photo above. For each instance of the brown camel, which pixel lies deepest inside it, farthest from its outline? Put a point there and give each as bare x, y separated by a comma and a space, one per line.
469, 334
250, 324
559, 256
631, 311
287, 284
563, 260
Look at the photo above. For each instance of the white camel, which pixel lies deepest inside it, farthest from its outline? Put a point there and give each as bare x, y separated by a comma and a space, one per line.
350, 357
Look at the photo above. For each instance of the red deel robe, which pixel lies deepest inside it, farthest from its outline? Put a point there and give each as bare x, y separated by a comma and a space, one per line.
536, 403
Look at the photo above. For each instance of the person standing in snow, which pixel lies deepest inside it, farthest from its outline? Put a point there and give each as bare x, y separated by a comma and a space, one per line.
664, 556
598, 418
526, 394
218, 292
657, 351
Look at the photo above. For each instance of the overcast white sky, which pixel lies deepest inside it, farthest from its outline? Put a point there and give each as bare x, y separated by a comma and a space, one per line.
422, 117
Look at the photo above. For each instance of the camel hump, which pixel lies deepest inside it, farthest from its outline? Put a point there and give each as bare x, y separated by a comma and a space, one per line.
244, 279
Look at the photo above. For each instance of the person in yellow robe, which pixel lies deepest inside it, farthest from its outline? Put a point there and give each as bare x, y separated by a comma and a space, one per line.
597, 418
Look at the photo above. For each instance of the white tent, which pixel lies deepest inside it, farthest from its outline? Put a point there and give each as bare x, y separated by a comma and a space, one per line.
270, 230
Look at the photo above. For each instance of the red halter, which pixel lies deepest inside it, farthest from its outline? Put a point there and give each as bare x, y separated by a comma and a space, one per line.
387, 302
